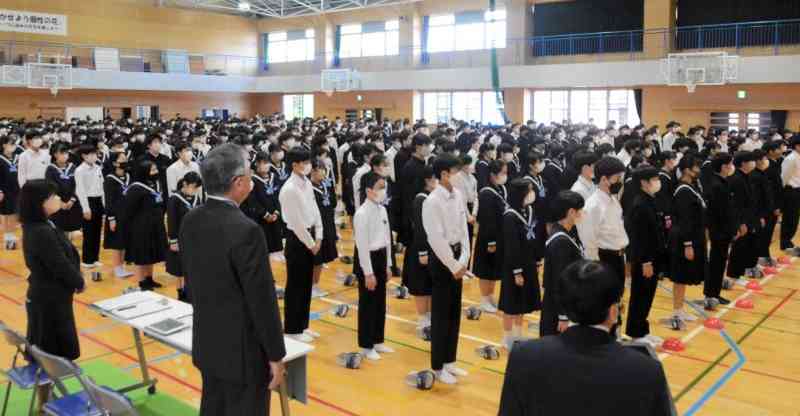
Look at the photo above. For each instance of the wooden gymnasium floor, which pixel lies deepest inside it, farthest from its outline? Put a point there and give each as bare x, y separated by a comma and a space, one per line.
767, 384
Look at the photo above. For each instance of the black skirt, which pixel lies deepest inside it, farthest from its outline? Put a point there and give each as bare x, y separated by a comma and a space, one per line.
51, 327
519, 300
9, 204
327, 252
69, 220
112, 240
687, 272
416, 276
147, 240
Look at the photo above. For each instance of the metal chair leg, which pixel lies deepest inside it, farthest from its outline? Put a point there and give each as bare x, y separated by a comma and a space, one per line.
5, 401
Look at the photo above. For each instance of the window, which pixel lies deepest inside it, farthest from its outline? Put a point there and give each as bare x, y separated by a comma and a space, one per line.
725, 121
465, 31
291, 46
580, 106
477, 106
742, 121
370, 39
298, 106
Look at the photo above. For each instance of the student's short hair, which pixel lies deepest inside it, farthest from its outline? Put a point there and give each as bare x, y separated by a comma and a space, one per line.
772, 146
297, 155
518, 189
427, 172
370, 179
586, 290
443, 163
583, 158
113, 157
377, 160
689, 161
505, 148
190, 178
150, 139
86, 149
4, 140
421, 140
261, 157
485, 148
631, 144
608, 167
496, 166
32, 197
719, 160
759, 154
742, 157
644, 173
534, 157
564, 201
181, 146
465, 160
603, 149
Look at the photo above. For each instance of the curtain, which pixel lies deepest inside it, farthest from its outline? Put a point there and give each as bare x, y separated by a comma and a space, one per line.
496, 76
265, 51
425, 58
637, 96
337, 45
710, 12
588, 16
779, 119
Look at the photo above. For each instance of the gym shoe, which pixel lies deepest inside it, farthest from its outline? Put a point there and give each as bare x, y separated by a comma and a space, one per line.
153, 283
301, 338
452, 369
488, 307
655, 339
754, 273
686, 316
88, 266
508, 343
445, 377
741, 281
98, 264
383, 349
122, 273
645, 341
370, 354
676, 323
722, 301
311, 333
278, 256
316, 292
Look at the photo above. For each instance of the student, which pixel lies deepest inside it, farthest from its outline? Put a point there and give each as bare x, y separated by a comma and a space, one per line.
34, 161
142, 220
774, 151
790, 174
9, 191
183, 200
369, 152
182, 166
262, 205
673, 130
667, 161
687, 237
584, 164
765, 207
153, 145
416, 274
506, 154
62, 173
466, 183
304, 237
411, 181
492, 203
445, 222
723, 226
554, 168
519, 292
89, 190
544, 194
648, 241
486, 154
373, 241
325, 196
114, 187
561, 250
743, 256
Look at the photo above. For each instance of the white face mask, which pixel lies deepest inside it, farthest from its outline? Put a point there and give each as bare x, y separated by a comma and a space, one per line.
306, 169
291, 143
36, 142
530, 198
508, 157
380, 196
502, 179
539, 167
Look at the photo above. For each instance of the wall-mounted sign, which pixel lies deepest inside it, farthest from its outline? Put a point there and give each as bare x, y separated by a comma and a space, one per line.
31, 22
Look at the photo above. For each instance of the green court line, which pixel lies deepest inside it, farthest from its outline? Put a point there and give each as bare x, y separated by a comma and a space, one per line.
741, 339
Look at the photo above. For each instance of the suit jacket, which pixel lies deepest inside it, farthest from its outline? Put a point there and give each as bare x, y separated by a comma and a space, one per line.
53, 262
582, 371
237, 326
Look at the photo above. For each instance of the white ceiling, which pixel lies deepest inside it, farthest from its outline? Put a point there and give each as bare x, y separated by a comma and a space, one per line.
281, 8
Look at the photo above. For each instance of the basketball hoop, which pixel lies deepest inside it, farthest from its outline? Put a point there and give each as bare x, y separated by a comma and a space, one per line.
54, 91
691, 87
329, 93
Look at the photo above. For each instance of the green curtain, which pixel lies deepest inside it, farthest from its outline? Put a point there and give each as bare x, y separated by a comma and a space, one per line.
496, 75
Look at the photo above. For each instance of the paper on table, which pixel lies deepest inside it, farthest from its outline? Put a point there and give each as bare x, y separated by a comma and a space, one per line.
125, 300
141, 309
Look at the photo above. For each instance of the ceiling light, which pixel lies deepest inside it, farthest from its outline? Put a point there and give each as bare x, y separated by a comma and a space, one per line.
244, 6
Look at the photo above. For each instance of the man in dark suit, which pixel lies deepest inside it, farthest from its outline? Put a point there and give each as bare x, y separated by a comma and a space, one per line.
584, 370
238, 338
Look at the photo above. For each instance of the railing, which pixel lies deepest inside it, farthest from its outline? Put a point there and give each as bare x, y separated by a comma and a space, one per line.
739, 35
589, 43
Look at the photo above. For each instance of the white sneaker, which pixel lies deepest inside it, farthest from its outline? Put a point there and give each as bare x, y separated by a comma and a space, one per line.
316, 292
452, 369
445, 377
278, 257
312, 334
686, 316
88, 266
301, 338
98, 264
741, 281
488, 307
508, 343
383, 349
370, 354
655, 339
646, 341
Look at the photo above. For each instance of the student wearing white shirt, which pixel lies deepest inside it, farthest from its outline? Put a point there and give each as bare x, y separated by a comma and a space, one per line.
445, 221
89, 189
466, 183
33, 162
790, 173
181, 167
753, 141
370, 151
303, 241
584, 164
673, 128
373, 240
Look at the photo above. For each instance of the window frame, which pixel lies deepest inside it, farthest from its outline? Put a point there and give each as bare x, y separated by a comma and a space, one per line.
446, 23
283, 43
597, 105
352, 31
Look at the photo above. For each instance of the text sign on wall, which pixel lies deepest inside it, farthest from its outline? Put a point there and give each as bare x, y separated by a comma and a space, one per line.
31, 22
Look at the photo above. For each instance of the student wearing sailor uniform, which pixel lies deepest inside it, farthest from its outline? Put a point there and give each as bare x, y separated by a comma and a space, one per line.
304, 234
89, 190
62, 173
488, 262
261, 205
416, 274
325, 197
445, 221
183, 200
486, 154
519, 292
561, 250
9, 191
114, 187
373, 240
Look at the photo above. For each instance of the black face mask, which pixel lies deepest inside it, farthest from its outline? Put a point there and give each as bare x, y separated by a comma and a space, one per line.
615, 188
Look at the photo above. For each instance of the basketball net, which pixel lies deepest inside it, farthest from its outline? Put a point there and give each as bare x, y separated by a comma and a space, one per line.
691, 87
329, 93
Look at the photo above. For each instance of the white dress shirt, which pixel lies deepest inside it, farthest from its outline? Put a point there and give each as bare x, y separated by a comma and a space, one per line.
32, 165
361, 171
602, 226
624, 157
371, 228
176, 172
790, 170
467, 186
390, 155
88, 184
445, 221
299, 209
749, 145
667, 141
584, 187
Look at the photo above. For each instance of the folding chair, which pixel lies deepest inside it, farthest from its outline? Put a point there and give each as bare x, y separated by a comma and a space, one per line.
112, 402
58, 369
23, 378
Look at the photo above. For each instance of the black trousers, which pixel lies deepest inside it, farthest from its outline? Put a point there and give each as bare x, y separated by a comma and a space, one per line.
445, 313
643, 290
223, 397
92, 230
791, 210
718, 258
765, 236
548, 323
299, 278
372, 303
743, 255
614, 259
